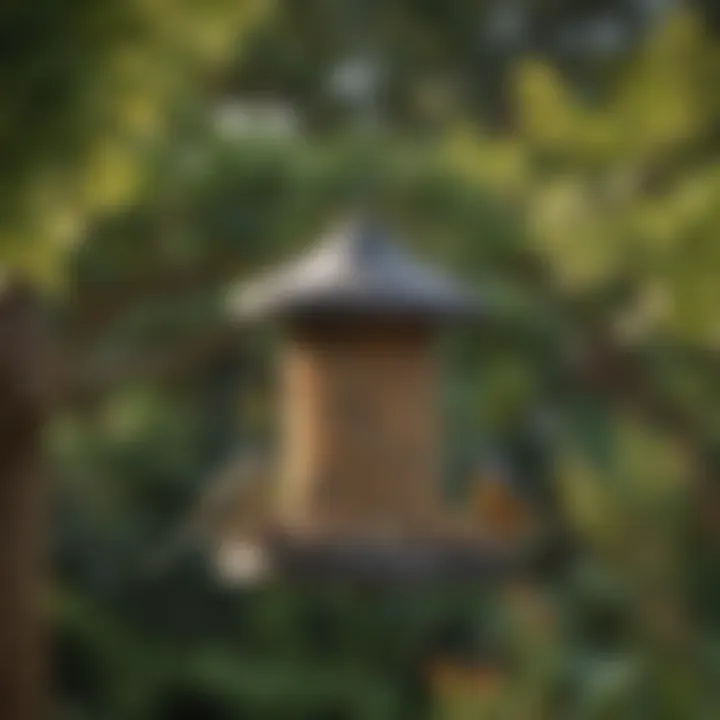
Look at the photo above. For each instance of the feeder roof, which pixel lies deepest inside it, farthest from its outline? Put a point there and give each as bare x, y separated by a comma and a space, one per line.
356, 269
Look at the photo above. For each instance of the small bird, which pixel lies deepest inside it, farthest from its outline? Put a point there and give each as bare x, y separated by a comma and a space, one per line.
235, 503
498, 506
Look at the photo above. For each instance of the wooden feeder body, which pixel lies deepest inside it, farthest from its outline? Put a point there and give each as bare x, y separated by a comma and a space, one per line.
362, 427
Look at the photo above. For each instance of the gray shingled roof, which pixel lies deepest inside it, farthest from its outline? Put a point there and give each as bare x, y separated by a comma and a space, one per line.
356, 269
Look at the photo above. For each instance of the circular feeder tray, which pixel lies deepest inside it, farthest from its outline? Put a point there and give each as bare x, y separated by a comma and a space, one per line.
282, 556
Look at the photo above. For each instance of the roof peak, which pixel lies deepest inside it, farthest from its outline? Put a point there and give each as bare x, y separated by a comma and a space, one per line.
361, 239
356, 268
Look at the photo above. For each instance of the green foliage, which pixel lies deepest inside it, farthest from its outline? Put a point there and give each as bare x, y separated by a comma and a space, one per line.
87, 88
590, 227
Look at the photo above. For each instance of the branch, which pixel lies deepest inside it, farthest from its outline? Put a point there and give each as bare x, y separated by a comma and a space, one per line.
88, 385
99, 307
607, 366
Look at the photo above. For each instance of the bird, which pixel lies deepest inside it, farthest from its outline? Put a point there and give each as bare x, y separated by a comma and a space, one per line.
497, 505
235, 503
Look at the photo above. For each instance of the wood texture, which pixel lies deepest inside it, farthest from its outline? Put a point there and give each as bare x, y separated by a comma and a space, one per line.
362, 436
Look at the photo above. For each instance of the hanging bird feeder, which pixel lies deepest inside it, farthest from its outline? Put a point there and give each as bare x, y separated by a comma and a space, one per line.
358, 492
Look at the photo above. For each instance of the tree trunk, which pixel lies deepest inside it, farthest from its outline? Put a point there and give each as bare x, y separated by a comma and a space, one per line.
22, 656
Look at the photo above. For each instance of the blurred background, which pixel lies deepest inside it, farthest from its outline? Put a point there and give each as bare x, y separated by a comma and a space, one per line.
561, 155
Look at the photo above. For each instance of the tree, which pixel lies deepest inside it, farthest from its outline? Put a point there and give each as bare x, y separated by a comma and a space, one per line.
85, 87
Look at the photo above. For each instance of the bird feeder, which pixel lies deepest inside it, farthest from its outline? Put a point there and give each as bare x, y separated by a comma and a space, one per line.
359, 486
